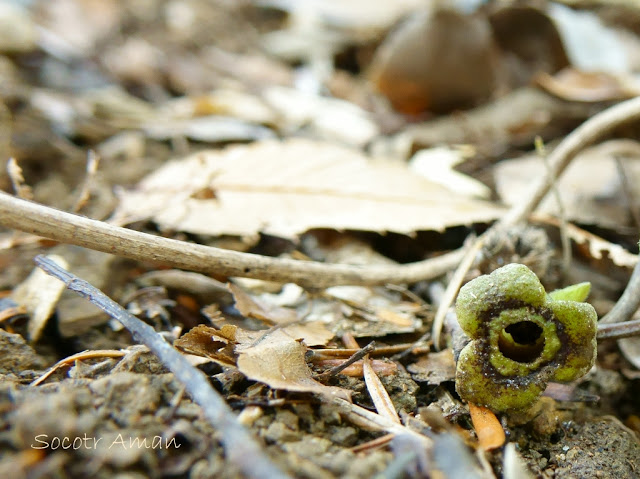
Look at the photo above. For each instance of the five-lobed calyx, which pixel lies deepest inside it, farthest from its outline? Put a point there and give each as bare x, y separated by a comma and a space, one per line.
521, 338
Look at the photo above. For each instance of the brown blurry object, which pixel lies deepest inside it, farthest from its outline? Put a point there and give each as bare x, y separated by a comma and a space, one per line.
575, 85
438, 60
529, 43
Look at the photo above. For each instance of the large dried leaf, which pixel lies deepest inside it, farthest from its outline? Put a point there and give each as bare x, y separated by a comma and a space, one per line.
286, 188
279, 361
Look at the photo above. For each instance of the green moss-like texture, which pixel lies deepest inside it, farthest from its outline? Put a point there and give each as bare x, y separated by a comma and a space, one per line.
521, 338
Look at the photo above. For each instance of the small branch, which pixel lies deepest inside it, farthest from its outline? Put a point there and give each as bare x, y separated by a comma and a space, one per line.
358, 355
238, 443
100, 236
619, 330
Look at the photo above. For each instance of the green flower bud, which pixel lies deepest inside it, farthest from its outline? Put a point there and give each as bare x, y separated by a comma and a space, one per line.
521, 338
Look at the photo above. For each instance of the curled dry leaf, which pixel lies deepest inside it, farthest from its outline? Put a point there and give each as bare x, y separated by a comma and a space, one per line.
39, 294
285, 188
279, 361
266, 308
574, 85
215, 344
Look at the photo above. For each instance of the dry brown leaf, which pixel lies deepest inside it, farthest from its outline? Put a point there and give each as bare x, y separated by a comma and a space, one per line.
595, 246
285, 188
279, 361
435, 368
313, 333
215, 344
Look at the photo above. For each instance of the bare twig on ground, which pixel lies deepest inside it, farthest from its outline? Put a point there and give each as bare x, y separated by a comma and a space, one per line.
82, 356
619, 330
97, 235
359, 354
238, 443
451, 291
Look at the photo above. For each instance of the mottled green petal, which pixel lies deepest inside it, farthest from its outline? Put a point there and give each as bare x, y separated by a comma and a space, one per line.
575, 292
580, 323
494, 392
513, 281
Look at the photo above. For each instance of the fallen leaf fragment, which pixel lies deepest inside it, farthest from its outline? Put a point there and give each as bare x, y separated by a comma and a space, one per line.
279, 361
215, 344
285, 188
434, 368
313, 333
39, 294
256, 308
488, 428
378, 393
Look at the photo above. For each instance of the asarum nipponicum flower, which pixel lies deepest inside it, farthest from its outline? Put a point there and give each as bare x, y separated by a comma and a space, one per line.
521, 338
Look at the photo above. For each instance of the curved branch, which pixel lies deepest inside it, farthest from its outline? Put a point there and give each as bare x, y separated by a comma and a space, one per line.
100, 236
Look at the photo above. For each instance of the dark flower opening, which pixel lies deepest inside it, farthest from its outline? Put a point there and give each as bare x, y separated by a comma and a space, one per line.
522, 342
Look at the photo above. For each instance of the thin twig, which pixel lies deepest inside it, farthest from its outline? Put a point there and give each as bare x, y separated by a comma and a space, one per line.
97, 235
359, 354
619, 330
238, 443
452, 289
564, 234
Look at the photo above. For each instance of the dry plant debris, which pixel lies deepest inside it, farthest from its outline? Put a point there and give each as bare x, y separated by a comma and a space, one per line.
286, 188
263, 182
